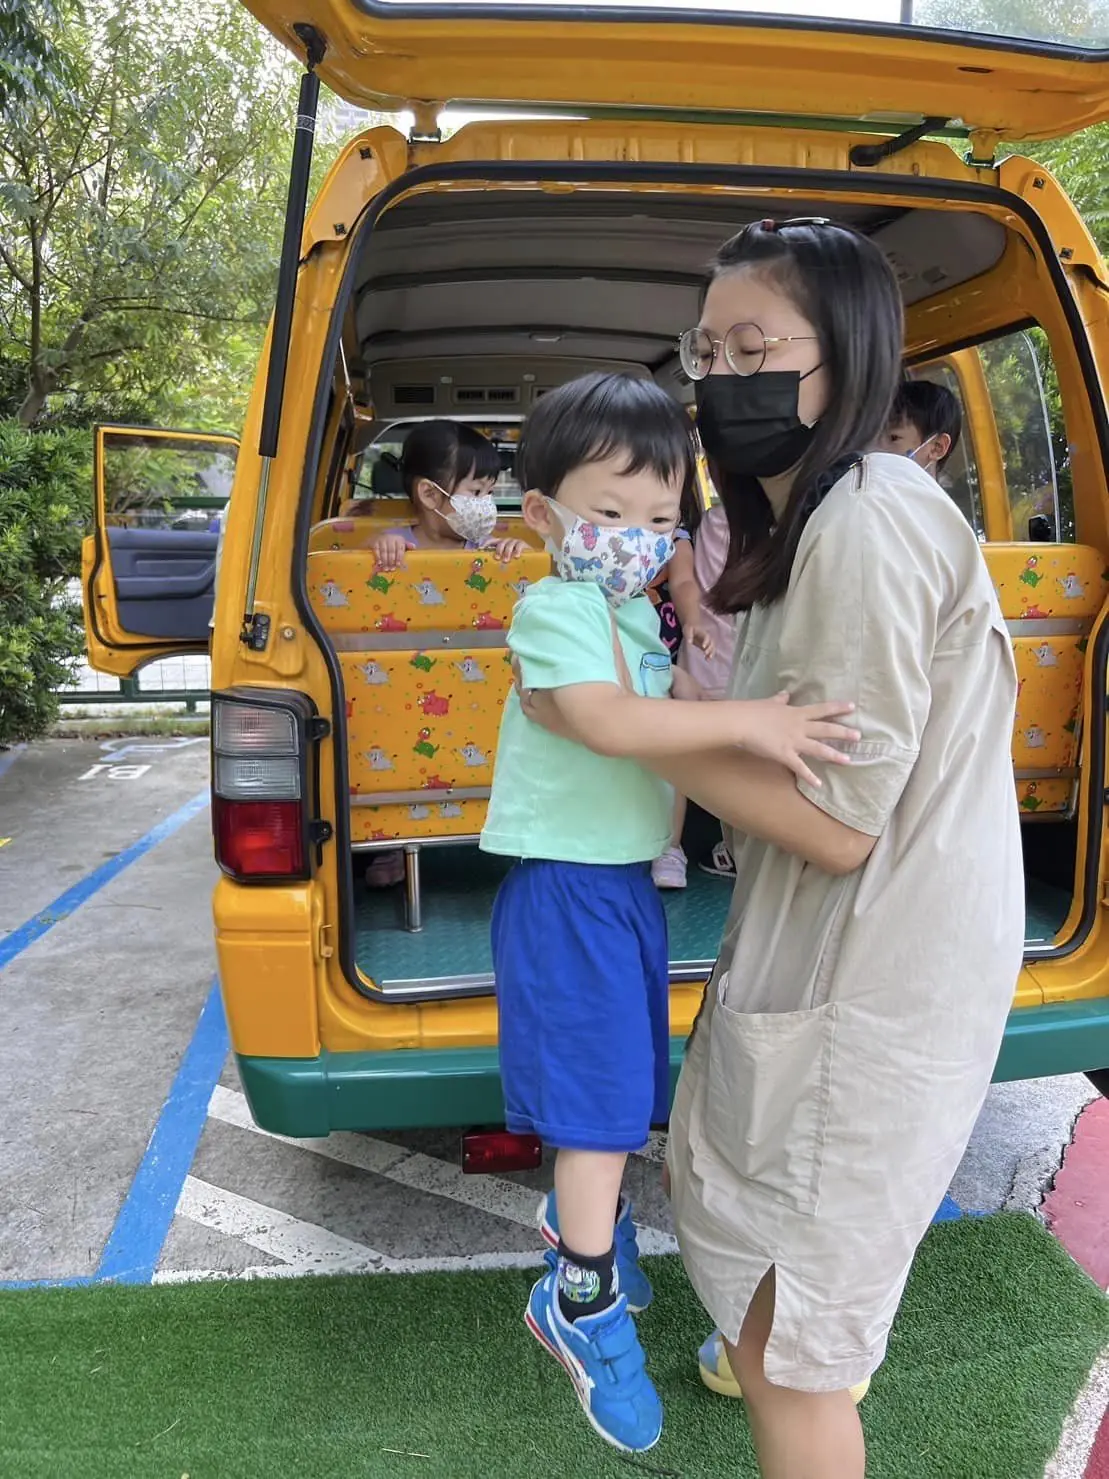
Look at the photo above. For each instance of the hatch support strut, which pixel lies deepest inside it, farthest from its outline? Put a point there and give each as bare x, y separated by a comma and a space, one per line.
869, 156
255, 631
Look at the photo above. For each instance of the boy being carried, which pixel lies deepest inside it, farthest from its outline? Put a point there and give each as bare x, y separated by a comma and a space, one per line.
579, 934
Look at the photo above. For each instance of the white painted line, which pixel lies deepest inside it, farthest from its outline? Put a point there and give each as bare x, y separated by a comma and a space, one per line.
491, 1194
271, 1231
1081, 1427
306, 1247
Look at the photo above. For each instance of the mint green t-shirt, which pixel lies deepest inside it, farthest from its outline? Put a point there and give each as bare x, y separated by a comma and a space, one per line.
553, 798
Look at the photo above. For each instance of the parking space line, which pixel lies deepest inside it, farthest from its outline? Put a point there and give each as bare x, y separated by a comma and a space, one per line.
310, 1249
135, 1244
499, 1198
64, 905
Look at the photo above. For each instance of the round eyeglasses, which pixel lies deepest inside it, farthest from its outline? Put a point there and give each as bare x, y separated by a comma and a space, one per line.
745, 347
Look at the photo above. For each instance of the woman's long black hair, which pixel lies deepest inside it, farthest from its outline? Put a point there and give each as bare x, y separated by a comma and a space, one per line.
845, 287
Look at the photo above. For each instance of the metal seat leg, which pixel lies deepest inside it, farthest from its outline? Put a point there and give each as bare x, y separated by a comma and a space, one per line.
413, 909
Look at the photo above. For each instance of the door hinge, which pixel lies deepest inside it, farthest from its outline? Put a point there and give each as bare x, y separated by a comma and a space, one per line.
324, 948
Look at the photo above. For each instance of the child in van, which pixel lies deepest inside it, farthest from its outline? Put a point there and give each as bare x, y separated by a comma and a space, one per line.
707, 659
924, 425
448, 471
579, 934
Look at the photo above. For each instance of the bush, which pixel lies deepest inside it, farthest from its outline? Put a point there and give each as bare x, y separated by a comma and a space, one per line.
45, 509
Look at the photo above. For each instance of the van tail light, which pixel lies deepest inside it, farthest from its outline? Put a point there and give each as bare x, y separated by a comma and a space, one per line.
260, 793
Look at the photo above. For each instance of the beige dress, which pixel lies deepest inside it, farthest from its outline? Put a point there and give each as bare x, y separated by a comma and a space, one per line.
851, 1025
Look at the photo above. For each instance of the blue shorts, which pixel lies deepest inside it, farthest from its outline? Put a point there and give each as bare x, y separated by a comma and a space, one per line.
583, 988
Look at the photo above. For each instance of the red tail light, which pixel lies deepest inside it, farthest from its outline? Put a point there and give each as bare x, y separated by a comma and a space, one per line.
260, 786
259, 839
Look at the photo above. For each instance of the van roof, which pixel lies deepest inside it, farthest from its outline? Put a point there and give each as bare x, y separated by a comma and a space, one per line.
715, 56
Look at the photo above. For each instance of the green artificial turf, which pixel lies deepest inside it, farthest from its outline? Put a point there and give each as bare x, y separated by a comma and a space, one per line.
435, 1375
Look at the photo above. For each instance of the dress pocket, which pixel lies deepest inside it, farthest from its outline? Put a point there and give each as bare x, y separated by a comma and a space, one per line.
768, 1095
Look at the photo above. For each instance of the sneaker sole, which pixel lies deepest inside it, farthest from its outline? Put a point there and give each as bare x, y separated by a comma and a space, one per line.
725, 1387
553, 1350
550, 1237
669, 887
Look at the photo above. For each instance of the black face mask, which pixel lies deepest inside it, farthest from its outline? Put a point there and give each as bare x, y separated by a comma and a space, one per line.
749, 423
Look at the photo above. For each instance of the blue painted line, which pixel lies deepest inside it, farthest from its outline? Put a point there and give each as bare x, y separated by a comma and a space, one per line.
79, 1281
64, 905
949, 1211
135, 1244
9, 757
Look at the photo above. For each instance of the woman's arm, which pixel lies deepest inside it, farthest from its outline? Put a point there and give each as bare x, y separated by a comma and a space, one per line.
760, 797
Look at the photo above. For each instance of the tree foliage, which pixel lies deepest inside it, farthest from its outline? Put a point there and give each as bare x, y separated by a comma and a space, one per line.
44, 504
142, 189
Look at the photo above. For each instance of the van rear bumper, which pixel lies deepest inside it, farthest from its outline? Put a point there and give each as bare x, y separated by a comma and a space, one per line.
427, 1088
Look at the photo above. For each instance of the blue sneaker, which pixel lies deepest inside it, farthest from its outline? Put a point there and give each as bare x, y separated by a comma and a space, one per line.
603, 1358
633, 1281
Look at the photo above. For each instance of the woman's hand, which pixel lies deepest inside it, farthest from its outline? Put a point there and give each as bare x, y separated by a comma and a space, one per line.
776, 730
539, 706
686, 688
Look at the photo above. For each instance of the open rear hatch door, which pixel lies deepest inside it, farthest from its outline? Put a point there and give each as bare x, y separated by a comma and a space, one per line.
714, 56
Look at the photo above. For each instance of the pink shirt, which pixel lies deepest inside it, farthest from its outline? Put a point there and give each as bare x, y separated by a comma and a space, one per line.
710, 549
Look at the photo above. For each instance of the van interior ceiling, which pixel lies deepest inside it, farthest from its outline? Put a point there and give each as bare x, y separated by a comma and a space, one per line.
470, 303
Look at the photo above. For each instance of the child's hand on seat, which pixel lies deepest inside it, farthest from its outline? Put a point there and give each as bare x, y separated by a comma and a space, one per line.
508, 549
389, 549
686, 687
776, 730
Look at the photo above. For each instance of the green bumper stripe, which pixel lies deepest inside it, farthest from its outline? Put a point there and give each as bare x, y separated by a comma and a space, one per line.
419, 1088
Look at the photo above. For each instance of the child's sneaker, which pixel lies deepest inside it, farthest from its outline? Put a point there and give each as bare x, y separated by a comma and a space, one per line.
633, 1281
717, 1374
669, 870
603, 1358
720, 864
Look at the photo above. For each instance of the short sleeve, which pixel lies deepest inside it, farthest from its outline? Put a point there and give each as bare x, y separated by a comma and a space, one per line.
860, 622
562, 634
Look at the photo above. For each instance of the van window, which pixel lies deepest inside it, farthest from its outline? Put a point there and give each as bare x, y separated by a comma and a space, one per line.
1028, 409
960, 473
154, 482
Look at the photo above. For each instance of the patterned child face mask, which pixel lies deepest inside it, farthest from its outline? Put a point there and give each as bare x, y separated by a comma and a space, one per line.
622, 561
472, 516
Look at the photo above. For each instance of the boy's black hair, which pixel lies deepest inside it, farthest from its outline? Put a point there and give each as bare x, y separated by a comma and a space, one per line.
601, 416
932, 409
445, 452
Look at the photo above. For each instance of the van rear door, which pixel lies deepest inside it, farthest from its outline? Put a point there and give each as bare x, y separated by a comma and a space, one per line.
149, 567
846, 60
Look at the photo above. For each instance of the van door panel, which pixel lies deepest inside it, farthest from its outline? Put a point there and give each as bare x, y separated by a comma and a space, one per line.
164, 581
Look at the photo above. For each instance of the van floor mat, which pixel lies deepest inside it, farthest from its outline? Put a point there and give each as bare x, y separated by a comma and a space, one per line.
1045, 909
458, 888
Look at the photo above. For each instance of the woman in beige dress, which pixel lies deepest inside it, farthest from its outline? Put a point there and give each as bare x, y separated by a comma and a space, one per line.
852, 1022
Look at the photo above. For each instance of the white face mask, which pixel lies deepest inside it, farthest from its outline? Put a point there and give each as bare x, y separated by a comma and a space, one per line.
472, 516
912, 455
622, 561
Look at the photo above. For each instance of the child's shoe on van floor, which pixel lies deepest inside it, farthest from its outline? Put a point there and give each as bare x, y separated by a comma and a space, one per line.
602, 1356
669, 870
385, 870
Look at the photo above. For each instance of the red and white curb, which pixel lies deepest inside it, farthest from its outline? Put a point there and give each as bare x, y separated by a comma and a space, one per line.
1077, 1212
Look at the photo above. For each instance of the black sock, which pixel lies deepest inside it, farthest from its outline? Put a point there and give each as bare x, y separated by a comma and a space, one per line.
586, 1286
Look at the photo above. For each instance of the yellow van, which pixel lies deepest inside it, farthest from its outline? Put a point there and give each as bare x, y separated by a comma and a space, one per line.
463, 277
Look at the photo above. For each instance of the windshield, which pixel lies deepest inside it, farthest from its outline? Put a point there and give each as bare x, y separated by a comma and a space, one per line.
1082, 24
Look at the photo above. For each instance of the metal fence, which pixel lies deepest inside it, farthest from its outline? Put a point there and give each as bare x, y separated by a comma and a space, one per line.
175, 680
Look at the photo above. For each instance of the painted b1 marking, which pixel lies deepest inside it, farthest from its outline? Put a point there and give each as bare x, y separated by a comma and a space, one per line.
115, 772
